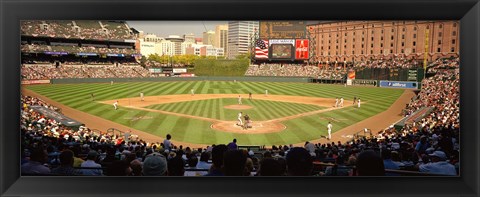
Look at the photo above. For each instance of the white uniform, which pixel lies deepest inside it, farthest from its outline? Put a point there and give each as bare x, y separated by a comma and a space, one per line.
329, 126
341, 102
115, 105
266, 92
358, 102
336, 102
192, 92
141, 96
239, 100
240, 119
111, 82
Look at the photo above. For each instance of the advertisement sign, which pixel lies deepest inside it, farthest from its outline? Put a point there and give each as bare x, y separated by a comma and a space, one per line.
155, 70
364, 82
179, 70
30, 82
87, 54
399, 84
187, 75
115, 55
281, 41
55, 53
301, 49
351, 74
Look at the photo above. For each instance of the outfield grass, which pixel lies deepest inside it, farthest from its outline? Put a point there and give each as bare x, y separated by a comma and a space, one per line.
374, 101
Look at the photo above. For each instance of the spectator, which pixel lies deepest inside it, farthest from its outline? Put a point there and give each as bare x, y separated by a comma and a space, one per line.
203, 164
234, 163
119, 168
299, 162
388, 162
270, 167
439, 165
232, 145
176, 166
36, 163
167, 145
339, 169
155, 164
91, 163
136, 166
66, 165
369, 163
217, 159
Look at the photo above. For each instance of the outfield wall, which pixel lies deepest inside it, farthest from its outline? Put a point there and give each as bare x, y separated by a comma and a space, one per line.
167, 79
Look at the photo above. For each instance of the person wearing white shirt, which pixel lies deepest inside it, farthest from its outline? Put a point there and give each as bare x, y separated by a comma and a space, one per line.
240, 122
329, 128
439, 165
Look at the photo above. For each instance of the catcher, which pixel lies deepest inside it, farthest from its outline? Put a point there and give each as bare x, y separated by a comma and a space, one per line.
247, 122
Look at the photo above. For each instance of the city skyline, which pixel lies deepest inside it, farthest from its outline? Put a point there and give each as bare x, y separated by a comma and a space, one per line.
166, 28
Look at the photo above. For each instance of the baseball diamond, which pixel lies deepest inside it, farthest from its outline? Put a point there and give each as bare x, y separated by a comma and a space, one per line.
292, 113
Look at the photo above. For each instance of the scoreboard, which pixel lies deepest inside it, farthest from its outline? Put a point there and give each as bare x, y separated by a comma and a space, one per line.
282, 29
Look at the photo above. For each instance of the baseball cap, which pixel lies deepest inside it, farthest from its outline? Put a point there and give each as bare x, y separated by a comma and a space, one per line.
439, 154
154, 165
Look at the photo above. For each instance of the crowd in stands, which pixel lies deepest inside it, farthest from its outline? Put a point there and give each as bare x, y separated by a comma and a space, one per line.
294, 70
428, 146
97, 30
73, 49
48, 71
399, 62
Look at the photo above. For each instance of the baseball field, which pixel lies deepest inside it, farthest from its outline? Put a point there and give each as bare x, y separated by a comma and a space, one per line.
291, 112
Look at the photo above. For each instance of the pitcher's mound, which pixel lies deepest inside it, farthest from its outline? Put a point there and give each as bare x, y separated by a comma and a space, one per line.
238, 107
257, 127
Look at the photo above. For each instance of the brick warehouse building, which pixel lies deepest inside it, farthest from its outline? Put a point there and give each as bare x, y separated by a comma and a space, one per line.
347, 41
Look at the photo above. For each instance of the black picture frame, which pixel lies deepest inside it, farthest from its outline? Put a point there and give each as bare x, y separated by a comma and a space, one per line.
12, 11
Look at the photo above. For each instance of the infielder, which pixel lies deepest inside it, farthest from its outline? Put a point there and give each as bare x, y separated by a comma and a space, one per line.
240, 119
341, 102
329, 128
250, 96
266, 92
192, 92
141, 96
239, 100
354, 100
111, 82
93, 97
358, 102
115, 105
336, 102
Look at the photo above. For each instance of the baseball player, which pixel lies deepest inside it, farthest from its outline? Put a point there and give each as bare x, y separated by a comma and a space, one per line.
192, 92
93, 97
141, 96
341, 102
354, 100
358, 102
240, 122
247, 121
336, 102
266, 92
250, 96
115, 105
111, 82
329, 128
239, 100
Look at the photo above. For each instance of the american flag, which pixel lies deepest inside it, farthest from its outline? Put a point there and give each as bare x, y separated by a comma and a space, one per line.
261, 49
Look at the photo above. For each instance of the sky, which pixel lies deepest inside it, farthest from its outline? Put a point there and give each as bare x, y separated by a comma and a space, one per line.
165, 28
